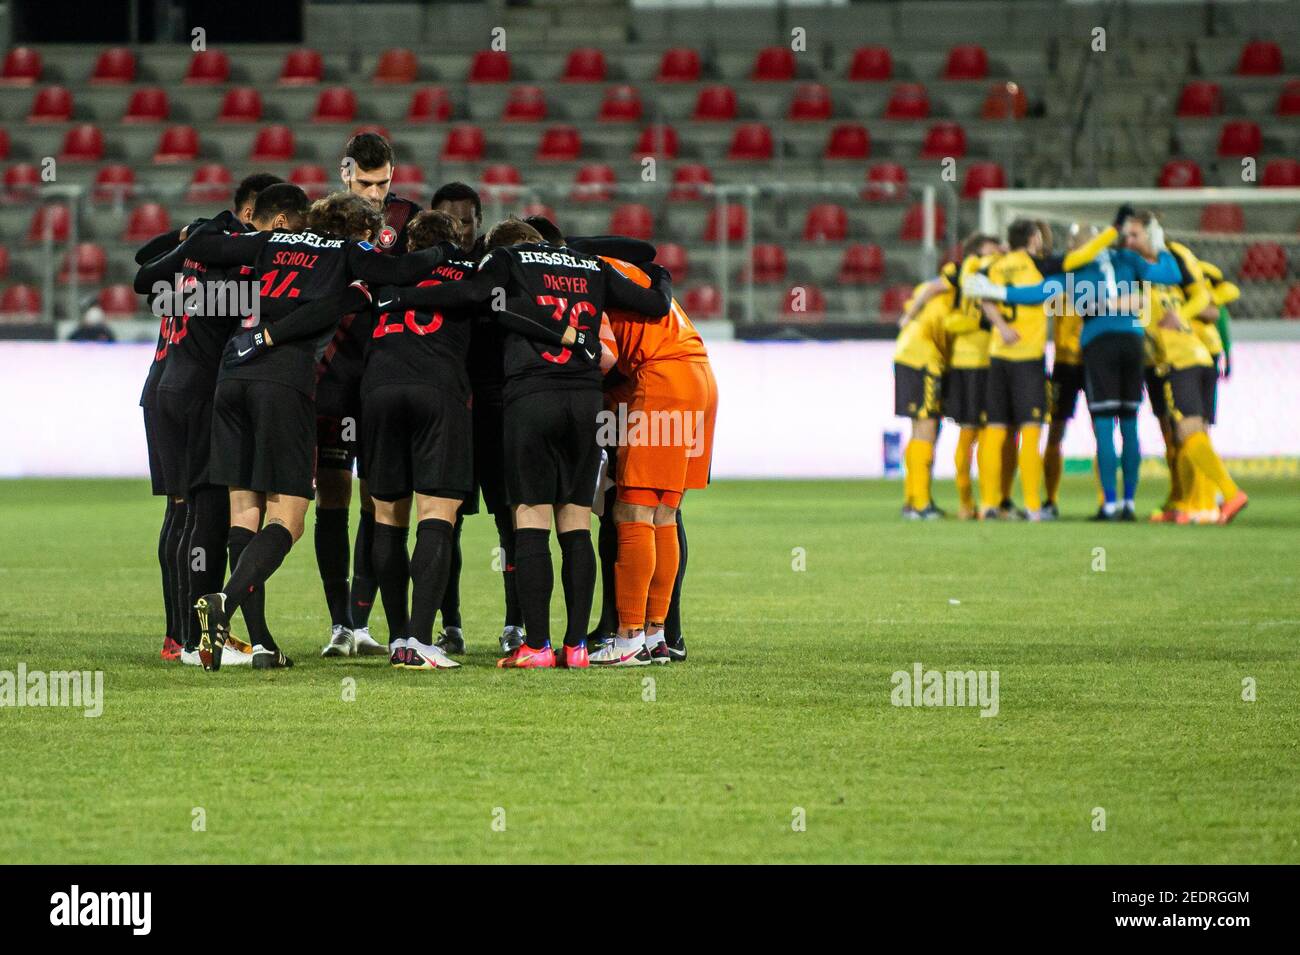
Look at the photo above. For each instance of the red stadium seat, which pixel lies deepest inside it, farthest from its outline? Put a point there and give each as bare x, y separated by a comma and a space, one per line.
1200, 98
52, 104
21, 300
500, 180
811, 103
87, 261
273, 144
559, 144
715, 104
119, 301
1263, 261
148, 104
490, 66
22, 180
968, 62
115, 65
1281, 173
177, 144
913, 228
944, 141
657, 139
22, 67
703, 301
1260, 58
408, 179
750, 141
4, 262
1223, 217
1240, 138
862, 265
633, 220
312, 179
622, 104
848, 141
892, 301
84, 143
595, 177
397, 66
826, 222
336, 104
114, 182
429, 105
243, 104
767, 263
687, 179
537, 209
584, 65
981, 176
525, 104
301, 68
210, 183
886, 181
1180, 174
146, 221
463, 144
1005, 101
1290, 308
871, 63
773, 64
736, 221
208, 67
4, 144
804, 303
673, 257
908, 101
378, 130
1288, 101
679, 65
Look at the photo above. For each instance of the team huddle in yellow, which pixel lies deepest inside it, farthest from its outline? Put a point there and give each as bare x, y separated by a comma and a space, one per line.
1126, 310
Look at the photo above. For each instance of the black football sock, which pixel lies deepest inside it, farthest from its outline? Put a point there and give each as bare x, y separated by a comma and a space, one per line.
430, 569
364, 584
210, 521
578, 577
607, 542
535, 579
673, 621
451, 591
187, 619
331, 538
392, 570
165, 564
180, 570
506, 538
253, 606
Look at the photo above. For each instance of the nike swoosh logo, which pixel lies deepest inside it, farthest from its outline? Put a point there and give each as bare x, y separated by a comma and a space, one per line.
386, 304
243, 351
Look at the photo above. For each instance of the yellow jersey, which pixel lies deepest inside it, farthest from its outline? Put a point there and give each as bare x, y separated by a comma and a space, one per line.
1067, 327
1221, 293
922, 343
1181, 347
968, 329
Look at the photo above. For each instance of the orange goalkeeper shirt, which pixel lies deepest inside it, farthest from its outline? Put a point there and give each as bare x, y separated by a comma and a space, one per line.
641, 342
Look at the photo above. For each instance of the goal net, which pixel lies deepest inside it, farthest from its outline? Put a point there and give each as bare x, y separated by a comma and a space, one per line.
1251, 234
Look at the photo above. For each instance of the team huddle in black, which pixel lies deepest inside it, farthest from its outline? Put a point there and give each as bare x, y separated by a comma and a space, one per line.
360, 329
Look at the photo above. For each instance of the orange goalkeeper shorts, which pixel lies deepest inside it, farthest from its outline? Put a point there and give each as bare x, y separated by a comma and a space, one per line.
666, 440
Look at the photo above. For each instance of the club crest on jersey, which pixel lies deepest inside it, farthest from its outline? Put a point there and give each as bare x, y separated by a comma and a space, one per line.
387, 237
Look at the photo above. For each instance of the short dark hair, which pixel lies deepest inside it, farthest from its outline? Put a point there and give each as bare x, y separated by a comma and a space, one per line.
550, 232
1020, 232
252, 186
458, 192
429, 228
345, 214
974, 242
281, 197
369, 151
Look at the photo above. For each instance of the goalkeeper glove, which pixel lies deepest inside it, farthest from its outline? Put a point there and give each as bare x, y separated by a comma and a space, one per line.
1156, 232
979, 285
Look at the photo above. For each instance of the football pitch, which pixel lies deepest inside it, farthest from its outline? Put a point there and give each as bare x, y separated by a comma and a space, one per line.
1122, 654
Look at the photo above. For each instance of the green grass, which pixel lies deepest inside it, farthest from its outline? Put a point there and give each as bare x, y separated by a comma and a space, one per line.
1118, 689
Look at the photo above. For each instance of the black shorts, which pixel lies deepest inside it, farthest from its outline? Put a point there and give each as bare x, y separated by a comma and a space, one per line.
1210, 393
158, 483
1017, 392
1185, 393
417, 438
917, 393
551, 453
489, 459
184, 433
1067, 382
338, 424
263, 438
1113, 371
1155, 384
963, 395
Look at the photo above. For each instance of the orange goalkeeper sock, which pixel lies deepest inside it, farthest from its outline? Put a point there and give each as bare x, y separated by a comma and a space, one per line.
633, 571
665, 575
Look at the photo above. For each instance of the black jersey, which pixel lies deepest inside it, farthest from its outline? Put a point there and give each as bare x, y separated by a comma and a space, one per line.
423, 347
